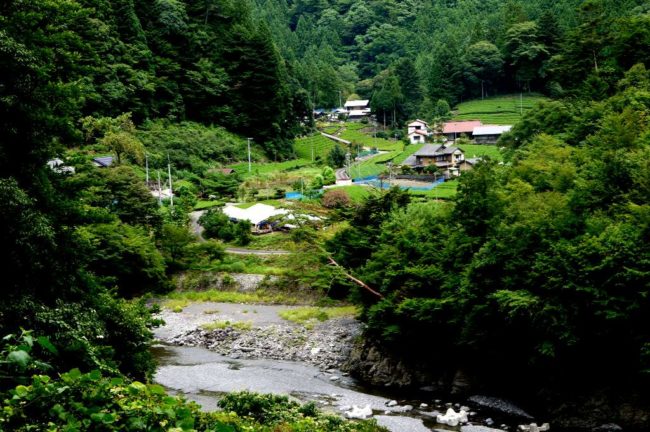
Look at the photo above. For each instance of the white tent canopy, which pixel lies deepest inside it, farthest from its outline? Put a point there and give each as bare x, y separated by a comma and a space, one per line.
255, 214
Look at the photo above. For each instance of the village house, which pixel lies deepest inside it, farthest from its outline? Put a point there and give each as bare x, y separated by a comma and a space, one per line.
489, 134
418, 137
454, 130
357, 105
357, 109
418, 131
447, 159
418, 125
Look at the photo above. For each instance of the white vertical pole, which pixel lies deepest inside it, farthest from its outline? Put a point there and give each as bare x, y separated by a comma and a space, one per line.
169, 173
159, 190
249, 154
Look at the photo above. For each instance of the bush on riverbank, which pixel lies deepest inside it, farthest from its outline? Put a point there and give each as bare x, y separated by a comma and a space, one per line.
90, 401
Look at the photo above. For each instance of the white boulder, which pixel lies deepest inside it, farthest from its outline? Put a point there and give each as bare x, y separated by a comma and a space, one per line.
359, 413
534, 428
452, 418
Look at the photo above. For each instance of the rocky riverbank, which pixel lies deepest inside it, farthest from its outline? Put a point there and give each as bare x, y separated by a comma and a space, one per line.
258, 332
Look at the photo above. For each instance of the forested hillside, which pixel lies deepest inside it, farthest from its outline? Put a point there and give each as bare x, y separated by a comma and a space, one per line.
406, 55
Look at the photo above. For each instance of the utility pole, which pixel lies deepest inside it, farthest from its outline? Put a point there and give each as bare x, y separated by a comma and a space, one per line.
159, 190
171, 190
435, 186
340, 100
249, 154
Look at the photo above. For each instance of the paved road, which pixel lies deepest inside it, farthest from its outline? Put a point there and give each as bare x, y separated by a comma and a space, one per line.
341, 174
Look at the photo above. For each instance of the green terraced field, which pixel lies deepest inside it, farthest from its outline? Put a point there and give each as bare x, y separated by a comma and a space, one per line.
321, 145
270, 167
445, 190
374, 166
497, 110
353, 132
408, 151
472, 151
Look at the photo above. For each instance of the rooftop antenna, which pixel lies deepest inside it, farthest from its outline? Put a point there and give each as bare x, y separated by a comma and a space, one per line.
169, 173
159, 190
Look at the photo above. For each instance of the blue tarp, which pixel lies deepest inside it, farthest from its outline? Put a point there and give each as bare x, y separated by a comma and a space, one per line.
293, 195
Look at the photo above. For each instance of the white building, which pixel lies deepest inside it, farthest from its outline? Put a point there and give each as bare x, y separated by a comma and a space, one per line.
356, 105
418, 125
418, 137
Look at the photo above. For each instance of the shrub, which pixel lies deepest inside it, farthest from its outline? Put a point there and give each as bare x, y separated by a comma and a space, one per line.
336, 199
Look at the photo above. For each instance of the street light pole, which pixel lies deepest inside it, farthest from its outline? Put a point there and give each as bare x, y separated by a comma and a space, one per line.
249, 154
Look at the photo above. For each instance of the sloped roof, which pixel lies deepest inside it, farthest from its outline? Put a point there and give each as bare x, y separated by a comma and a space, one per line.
410, 161
436, 150
491, 130
418, 122
419, 132
461, 126
357, 103
104, 161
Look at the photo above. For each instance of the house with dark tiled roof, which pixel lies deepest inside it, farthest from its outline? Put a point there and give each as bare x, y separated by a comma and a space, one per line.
446, 158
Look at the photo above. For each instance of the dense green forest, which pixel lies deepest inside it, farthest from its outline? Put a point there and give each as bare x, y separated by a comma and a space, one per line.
539, 272
406, 55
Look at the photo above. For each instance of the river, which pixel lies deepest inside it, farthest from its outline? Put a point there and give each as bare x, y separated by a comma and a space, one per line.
202, 375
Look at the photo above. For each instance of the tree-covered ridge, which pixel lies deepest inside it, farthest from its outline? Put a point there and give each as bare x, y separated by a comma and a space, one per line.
407, 55
540, 263
202, 61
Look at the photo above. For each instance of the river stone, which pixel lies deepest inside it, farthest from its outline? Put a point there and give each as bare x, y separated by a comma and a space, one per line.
471, 428
500, 405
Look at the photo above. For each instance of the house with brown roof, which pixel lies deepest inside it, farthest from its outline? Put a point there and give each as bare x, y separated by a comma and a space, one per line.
446, 158
454, 130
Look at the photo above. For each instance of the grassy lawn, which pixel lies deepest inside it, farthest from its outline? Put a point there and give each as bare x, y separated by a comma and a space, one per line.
375, 165
178, 300
472, 151
497, 110
408, 151
354, 132
203, 204
309, 315
355, 192
259, 168
445, 190
322, 147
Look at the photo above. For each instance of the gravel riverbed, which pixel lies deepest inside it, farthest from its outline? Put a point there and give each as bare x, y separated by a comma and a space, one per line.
325, 345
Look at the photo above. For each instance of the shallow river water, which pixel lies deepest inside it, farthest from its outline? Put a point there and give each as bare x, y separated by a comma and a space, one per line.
204, 375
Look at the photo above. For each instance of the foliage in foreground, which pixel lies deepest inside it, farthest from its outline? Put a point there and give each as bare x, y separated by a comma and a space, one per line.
90, 401
541, 262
